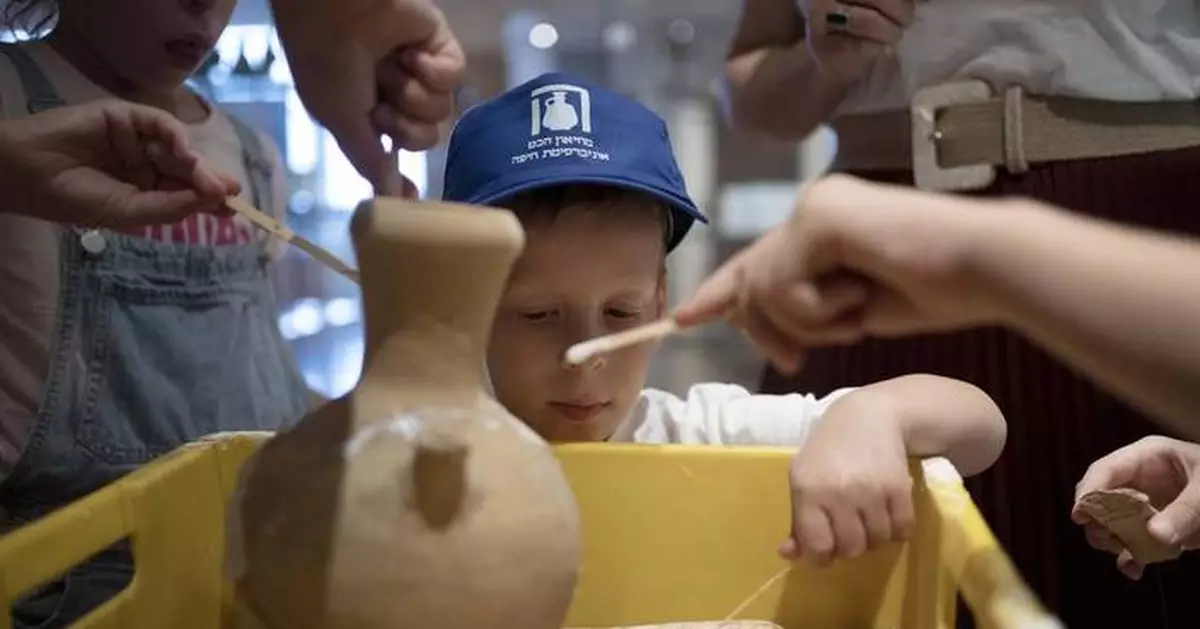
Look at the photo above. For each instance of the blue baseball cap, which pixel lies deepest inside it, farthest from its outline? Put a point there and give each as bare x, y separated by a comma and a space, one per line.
559, 130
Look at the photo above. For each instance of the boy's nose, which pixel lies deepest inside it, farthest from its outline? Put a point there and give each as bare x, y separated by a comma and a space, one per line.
580, 330
594, 363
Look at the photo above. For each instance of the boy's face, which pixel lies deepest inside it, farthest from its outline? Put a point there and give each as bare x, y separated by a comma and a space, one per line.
584, 273
151, 44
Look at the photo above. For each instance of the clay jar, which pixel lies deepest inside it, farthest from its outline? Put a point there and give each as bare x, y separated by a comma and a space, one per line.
416, 501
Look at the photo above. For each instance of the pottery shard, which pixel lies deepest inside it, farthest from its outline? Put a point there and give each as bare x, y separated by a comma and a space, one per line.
1126, 512
714, 624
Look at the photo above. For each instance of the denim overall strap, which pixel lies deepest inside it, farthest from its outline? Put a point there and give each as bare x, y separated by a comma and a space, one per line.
40, 95
155, 345
258, 169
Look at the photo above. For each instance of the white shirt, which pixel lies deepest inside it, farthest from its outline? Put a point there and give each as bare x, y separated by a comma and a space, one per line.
727, 414
1115, 50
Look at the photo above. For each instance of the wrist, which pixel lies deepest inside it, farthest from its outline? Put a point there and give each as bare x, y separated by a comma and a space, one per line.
824, 80
998, 235
912, 405
873, 403
779, 92
892, 411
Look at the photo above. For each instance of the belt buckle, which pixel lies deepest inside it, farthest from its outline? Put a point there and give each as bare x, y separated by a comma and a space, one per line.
927, 103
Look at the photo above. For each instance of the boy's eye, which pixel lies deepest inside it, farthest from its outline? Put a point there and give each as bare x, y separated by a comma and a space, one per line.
537, 315
621, 313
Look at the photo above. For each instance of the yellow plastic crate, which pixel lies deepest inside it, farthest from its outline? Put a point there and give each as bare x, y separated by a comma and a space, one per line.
671, 533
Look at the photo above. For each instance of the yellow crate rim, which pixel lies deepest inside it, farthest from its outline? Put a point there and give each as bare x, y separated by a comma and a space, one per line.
914, 583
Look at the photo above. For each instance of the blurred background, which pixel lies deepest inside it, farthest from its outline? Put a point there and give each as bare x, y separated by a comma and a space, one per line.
665, 53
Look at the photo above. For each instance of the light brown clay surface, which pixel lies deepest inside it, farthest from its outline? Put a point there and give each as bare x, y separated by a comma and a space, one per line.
416, 501
1126, 512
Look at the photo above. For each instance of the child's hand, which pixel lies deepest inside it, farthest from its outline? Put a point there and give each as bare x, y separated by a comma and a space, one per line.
851, 488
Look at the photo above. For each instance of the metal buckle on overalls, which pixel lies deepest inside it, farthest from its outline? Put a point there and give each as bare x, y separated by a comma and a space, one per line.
927, 103
93, 241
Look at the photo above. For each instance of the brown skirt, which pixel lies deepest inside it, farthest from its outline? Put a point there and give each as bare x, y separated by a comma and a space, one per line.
1058, 423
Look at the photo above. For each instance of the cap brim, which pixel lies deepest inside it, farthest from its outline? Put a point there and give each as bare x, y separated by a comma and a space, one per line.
680, 204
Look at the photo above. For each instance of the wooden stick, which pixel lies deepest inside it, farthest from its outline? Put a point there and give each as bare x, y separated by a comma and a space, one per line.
392, 179
268, 224
580, 353
757, 593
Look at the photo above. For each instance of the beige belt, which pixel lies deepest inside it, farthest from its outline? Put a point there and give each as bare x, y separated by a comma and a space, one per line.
955, 135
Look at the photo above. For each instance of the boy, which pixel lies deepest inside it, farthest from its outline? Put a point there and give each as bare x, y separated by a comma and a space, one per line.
591, 176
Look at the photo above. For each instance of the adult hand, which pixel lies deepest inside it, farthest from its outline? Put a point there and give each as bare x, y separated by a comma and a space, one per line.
855, 259
106, 163
1168, 472
844, 38
366, 68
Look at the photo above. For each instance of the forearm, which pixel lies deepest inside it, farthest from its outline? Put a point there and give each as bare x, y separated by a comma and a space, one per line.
1118, 304
942, 417
292, 15
289, 14
307, 26
779, 92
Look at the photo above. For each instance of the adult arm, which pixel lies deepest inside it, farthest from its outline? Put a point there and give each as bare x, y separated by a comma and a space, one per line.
784, 77
772, 84
366, 68
1117, 303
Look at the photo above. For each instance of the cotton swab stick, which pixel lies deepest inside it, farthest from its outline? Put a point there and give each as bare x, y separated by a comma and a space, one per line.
580, 353
282, 232
392, 180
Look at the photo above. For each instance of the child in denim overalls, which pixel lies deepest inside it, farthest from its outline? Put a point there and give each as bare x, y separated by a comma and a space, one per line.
125, 345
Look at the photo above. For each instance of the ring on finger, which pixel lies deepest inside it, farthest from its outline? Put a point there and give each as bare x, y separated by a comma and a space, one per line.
837, 22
